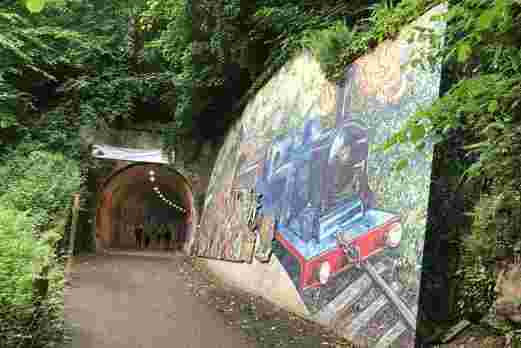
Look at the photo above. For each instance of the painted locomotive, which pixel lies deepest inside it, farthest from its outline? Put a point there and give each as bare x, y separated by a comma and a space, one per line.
314, 184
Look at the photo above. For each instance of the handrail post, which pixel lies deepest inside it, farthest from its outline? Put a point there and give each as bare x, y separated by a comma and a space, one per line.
74, 226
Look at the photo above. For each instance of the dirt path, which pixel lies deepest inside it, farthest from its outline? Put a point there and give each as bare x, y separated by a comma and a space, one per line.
142, 301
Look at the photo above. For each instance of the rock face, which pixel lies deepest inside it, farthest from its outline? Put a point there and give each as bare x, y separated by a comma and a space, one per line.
508, 288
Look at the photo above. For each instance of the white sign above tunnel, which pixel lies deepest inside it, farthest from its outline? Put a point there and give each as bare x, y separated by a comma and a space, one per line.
103, 151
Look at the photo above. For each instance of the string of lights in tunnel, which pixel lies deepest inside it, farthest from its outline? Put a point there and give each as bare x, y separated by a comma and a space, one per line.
162, 196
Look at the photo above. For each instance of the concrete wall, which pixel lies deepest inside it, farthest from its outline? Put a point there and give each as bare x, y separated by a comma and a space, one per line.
268, 280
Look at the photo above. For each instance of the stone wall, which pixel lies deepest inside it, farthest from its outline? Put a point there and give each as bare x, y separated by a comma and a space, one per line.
196, 172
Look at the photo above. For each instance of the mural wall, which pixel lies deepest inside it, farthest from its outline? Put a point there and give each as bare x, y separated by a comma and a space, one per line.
345, 226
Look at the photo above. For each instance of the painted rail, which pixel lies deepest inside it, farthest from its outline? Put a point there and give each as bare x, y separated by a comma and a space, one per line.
362, 305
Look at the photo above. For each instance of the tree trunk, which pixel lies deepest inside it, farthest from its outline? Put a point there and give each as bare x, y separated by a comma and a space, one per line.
136, 45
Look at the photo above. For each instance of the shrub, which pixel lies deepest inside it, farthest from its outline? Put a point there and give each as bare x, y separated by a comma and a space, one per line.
18, 248
36, 192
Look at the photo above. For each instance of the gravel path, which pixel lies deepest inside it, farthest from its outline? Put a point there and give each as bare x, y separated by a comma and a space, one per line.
133, 301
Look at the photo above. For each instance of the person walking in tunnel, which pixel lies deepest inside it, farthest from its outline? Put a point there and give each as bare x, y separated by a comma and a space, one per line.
148, 233
164, 237
160, 234
174, 232
139, 234
168, 236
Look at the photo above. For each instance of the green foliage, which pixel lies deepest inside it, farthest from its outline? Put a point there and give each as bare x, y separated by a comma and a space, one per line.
485, 57
18, 249
478, 290
41, 184
477, 274
81, 47
35, 193
203, 41
21, 258
23, 323
35, 5
339, 45
329, 44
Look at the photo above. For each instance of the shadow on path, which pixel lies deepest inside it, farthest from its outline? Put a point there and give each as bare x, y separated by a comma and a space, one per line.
131, 300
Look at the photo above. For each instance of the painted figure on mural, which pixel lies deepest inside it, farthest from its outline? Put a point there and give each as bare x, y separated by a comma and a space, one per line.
173, 234
161, 234
148, 235
232, 226
265, 233
226, 250
234, 215
245, 203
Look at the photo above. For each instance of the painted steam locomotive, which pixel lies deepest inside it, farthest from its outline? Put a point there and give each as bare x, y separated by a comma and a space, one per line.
314, 185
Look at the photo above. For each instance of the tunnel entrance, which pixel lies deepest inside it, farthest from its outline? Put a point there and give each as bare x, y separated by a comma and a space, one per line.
151, 196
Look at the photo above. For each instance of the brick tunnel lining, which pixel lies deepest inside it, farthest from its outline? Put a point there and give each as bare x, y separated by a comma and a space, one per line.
128, 188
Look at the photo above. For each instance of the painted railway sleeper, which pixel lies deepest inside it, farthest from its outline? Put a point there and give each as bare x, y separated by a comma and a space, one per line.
363, 304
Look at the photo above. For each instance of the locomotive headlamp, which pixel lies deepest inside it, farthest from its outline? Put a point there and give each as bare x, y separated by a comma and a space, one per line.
394, 236
325, 272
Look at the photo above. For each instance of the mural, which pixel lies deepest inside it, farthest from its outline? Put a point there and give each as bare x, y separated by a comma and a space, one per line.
345, 226
224, 232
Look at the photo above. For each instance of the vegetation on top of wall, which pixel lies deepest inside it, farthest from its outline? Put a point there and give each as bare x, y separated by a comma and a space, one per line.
223, 51
339, 45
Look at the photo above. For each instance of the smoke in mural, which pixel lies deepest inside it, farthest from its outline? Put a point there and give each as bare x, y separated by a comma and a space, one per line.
346, 227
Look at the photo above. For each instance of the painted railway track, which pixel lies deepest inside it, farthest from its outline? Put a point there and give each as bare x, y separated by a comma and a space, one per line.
370, 311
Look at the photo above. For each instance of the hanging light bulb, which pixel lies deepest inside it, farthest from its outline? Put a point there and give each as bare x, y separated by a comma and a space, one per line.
156, 188
151, 173
152, 179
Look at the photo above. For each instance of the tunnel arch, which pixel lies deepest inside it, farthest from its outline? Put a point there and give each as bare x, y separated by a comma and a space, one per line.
131, 183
